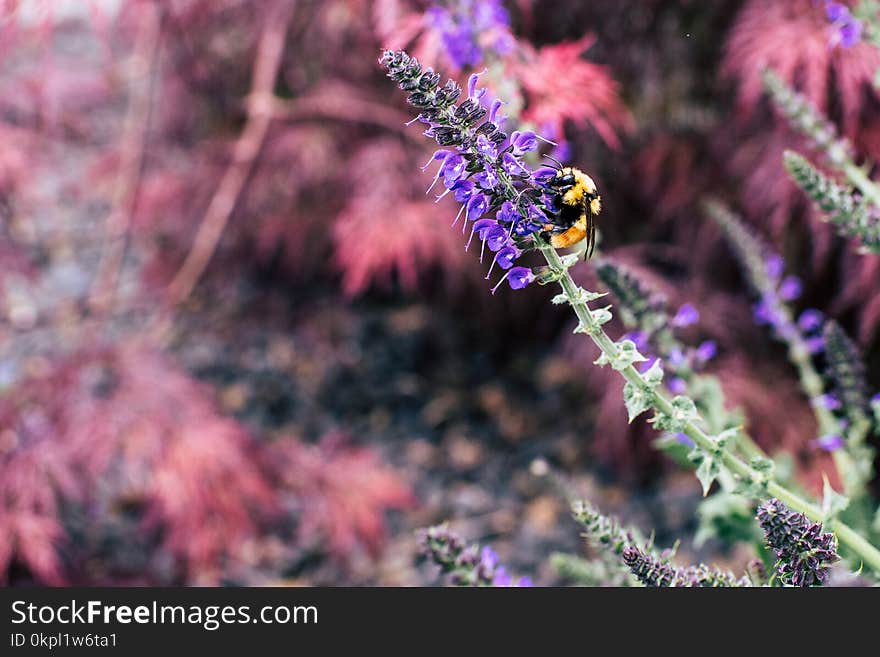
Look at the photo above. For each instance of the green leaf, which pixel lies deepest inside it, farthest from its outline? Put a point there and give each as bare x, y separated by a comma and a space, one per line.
569, 260
683, 411
832, 501
654, 376
581, 296
762, 464
637, 401
723, 438
627, 354
601, 315
707, 472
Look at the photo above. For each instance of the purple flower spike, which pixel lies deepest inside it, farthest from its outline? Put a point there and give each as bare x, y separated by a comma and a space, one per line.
512, 165
525, 582
829, 443
544, 174
486, 179
790, 289
810, 320
707, 351
686, 316
473, 92
876, 399
507, 213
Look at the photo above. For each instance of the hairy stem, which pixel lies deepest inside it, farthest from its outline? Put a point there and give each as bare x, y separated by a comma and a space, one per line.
141, 76
845, 534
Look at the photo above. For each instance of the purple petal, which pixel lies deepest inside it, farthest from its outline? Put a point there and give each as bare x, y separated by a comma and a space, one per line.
707, 351
829, 442
519, 277
774, 266
686, 316
810, 320
790, 289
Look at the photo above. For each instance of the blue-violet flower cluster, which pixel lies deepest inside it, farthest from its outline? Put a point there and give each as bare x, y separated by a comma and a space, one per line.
470, 27
502, 200
847, 29
465, 565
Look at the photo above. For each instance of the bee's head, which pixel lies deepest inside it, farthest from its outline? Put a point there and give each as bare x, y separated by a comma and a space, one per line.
564, 179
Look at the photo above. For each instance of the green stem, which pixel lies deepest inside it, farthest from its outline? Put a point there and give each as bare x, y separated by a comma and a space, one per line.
845, 535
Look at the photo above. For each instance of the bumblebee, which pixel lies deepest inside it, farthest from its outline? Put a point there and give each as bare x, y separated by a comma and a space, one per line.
579, 203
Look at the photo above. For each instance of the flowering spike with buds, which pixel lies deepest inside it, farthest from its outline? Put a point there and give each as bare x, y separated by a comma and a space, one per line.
853, 217
804, 550
487, 150
465, 565
479, 163
656, 573
805, 118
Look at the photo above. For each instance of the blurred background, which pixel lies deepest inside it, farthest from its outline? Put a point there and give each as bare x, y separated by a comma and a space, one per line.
240, 345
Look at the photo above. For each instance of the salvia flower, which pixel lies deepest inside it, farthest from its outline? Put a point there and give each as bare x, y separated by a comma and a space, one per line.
846, 370
654, 572
645, 311
851, 215
480, 165
803, 550
764, 270
801, 113
465, 565
470, 28
846, 28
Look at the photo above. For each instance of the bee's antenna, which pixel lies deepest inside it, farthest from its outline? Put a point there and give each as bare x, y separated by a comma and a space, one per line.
550, 157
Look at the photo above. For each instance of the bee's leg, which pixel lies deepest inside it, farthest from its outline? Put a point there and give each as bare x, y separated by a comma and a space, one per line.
591, 235
549, 230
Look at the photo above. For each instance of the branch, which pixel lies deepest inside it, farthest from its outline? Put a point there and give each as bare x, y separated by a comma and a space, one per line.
244, 155
141, 76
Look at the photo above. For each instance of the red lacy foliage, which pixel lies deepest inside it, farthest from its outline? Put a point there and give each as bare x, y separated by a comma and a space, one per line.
589, 95
340, 493
121, 429
792, 37
384, 230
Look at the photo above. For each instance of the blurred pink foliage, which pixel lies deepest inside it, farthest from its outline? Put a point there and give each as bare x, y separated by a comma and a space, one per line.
793, 38
125, 428
339, 492
589, 95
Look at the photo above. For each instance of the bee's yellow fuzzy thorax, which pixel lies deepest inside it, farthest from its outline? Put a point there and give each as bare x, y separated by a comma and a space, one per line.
583, 185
